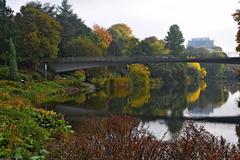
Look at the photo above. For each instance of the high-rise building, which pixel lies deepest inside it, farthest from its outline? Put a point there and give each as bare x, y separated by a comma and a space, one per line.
201, 43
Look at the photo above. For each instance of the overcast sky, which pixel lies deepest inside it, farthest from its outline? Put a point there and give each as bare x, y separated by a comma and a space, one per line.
196, 18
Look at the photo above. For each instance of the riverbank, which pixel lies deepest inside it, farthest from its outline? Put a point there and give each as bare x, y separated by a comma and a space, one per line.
28, 132
25, 130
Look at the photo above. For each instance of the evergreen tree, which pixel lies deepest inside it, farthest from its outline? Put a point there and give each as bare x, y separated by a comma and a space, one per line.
174, 40
47, 8
13, 69
6, 15
236, 17
38, 34
73, 27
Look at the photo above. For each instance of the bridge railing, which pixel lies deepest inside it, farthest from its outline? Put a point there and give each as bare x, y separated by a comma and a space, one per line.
141, 59
107, 59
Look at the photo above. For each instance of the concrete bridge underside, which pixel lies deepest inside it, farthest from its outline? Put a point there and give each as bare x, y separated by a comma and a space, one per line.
70, 64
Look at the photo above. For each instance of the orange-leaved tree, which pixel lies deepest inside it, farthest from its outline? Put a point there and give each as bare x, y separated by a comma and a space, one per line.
104, 36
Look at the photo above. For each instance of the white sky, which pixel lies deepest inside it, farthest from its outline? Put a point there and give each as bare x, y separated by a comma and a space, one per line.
196, 18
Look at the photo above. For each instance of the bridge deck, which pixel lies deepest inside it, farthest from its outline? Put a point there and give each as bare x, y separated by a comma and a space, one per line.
74, 63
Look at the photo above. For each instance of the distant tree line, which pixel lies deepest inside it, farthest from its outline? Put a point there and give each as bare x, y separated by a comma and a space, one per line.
47, 31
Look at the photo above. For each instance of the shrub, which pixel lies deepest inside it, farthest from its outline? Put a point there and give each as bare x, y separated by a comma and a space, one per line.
120, 137
36, 76
23, 77
100, 82
23, 132
4, 96
4, 72
15, 102
80, 75
139, 74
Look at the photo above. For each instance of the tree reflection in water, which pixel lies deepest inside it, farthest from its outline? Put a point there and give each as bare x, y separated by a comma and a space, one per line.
167, 101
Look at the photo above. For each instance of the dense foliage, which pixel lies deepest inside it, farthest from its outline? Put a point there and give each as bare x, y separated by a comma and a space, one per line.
236, 17
121, 138
123, 40
38, 34
82, 46
72, 25
151, 46
6, 15
139, 74
174, 40
105, 38
23, 132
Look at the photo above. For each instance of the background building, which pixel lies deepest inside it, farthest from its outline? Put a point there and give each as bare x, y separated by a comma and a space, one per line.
201, 43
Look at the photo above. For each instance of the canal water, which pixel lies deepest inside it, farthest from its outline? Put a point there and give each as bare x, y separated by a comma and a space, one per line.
208, 99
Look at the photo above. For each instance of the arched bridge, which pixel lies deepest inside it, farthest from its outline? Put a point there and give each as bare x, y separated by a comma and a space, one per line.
74, 63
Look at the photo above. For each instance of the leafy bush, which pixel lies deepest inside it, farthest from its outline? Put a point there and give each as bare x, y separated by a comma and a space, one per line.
120, 137
23, 132
80, 75
4, 96
139, 74
4, 72
23, 77
36, 76
100, 82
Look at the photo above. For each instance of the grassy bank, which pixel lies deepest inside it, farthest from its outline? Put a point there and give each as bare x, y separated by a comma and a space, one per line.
24, 129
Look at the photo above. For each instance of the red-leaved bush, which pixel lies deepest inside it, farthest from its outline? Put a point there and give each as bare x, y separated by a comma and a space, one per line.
120, 138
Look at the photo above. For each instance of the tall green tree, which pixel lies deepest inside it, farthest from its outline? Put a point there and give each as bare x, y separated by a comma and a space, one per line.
123, 40
73, 27
47, 8
174, 40
13, 69
6, 15
236, 17
38, 34
82, 46
151, 46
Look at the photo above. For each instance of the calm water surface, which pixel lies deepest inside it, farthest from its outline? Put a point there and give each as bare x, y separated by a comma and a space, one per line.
211, 99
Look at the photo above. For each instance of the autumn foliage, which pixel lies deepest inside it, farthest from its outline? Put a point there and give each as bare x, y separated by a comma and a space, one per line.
103, 35
200, 69
120, 137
